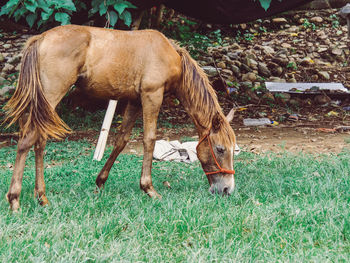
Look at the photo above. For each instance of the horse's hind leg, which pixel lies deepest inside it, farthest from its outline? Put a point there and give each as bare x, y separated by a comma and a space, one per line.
129, 118
23, 147
39, 190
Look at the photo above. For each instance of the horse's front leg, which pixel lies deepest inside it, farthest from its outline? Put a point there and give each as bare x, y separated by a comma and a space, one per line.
130, 115
151, 102
23, 146
39, 190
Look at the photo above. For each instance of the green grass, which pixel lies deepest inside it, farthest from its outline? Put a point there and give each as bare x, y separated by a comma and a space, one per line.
285, 208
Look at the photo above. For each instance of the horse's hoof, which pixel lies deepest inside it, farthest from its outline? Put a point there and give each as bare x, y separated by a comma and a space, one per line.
98, 190
153, 194
14, 203
43, 200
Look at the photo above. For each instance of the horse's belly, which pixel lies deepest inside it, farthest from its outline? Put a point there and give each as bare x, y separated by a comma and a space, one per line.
106, 90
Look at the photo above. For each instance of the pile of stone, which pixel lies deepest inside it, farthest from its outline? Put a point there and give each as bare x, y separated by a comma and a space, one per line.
11, 46
304, 49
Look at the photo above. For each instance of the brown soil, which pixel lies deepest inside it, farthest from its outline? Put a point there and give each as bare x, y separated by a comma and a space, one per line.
256, 140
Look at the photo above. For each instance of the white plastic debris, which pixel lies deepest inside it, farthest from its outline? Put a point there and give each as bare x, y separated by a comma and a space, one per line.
179, 152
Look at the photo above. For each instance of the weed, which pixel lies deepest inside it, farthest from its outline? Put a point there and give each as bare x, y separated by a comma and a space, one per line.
335, 20
308, 25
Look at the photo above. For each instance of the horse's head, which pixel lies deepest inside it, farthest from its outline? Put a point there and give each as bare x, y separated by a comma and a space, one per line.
215, 151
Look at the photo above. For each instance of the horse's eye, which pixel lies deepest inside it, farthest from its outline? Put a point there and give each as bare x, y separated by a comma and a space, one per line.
220, 149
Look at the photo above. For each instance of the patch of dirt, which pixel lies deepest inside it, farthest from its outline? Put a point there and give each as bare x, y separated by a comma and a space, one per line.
256, 140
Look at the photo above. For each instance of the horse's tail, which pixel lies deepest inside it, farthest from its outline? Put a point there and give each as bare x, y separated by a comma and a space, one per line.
28, 103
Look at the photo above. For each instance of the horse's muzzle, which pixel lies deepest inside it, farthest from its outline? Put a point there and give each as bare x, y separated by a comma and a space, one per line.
222, 189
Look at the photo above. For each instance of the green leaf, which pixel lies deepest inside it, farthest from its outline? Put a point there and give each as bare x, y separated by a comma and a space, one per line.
44, 6
30, 18
126, 17
120, 7
69, 5
19, 13
31, 6
265, 4
113, 17
8, 8
65, 4
130, 5
46, 15
64, 18
102, 9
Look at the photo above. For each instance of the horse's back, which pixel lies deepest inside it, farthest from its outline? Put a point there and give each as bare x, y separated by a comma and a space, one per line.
113, 63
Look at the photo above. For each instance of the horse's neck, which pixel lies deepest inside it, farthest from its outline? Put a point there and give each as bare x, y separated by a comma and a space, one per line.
196, 116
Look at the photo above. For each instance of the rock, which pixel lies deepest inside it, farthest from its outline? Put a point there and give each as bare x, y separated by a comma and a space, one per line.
235, 46
324, 75
263, 70
210, 71
233, 55
292, 80
314, 77
322, 34
8, 68
268, 50
322, 49
307, 61
277, 79
246, 84
2, 81
246, 61
243, 26
337, 51
316, 19
235, 70
14, 60
279, 20
293, 29
250, 76
221, 64
2, 58
277, 71
18, 67
322, 99
286, 45
227, 72
6, 46
282, 61
282, 97
7, 89
245, 67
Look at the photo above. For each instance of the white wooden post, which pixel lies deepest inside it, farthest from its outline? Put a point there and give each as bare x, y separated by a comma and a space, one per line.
102, 140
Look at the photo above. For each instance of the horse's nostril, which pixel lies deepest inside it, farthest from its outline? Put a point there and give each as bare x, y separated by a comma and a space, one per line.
226, 190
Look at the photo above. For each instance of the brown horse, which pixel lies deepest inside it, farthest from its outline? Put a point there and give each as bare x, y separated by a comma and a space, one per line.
140, 67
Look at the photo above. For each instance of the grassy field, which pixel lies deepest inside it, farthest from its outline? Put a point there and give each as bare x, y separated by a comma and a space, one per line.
285, 208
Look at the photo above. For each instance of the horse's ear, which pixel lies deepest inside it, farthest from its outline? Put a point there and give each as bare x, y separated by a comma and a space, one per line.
216, 123
230, 115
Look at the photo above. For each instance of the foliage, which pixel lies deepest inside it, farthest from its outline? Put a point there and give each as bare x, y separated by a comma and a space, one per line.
285, 208
195, 42
307, 24
265, 4
113, 10
48, 12
335, 20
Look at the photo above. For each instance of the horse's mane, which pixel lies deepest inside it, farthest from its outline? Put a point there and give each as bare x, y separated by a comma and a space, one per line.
201, 95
